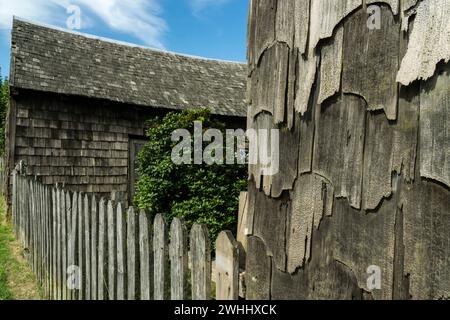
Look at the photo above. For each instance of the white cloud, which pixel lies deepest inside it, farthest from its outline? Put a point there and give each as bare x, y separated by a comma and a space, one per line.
39, 10
138, 18
199, 5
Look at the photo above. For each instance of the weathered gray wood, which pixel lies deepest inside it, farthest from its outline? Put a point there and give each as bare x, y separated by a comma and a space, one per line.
312, 199
14, 209
200, 262
121, 253
102, 275
340, 133
73, 246
435, 127
227, 267
87, 246
426, 239
269, 227
54, 245
81, 249
428, 44
301, 25
60, 244
48, 232
258, 270
63, 240
394, 4
306, 69
366, 75
145, 257
112, 250
33, 226
270, 95
331, 66
353, 238
245, 220
296, 144
325, 15
261, 28
132, 252
178, 259
161, 257
383, 158
94, 247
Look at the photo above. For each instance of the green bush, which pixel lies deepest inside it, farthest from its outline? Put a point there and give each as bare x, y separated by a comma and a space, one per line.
4, 101
206, 194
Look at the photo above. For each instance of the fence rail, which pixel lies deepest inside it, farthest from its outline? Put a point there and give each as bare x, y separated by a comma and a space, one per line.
84, 248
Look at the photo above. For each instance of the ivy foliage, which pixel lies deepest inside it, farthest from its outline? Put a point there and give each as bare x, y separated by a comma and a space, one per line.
207, 194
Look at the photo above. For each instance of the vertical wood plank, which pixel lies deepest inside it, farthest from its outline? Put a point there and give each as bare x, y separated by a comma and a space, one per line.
94, 248
121, 253
132, 262
87, 247
146, 256
227, 267
161, 256
200, 262
178, 259
73, 247
54, 245
14, 202
33, 226
245, 221
63, 241
102, 250
111, 251
258, 270
59, 249
80, 249
48, 251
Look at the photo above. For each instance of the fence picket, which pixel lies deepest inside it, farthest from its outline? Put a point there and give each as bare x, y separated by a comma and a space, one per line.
73, 248
54, 245
63, 215
145, 256
59, 236
102, 249
161, 256
132, 262
227, 267
121, 253
80, 248
200, 262
111, 251
178, 259
87, 247
94, 248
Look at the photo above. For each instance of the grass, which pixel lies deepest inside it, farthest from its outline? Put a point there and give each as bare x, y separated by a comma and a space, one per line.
5, 256
17, 282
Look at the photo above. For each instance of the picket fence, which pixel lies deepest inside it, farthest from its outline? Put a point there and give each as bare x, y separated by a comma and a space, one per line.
84, 248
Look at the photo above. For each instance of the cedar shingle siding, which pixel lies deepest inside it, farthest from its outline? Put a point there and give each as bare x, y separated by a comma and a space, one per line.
76, 101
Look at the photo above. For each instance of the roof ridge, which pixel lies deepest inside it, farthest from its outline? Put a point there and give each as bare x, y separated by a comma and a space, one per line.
120, 42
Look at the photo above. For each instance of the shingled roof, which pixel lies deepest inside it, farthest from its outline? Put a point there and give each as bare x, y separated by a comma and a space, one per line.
53, 60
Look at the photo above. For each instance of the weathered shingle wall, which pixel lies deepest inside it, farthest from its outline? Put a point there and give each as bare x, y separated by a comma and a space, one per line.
82, 143
51, 60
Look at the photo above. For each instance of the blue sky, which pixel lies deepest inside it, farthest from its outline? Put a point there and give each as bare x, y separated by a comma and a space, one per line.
208, 28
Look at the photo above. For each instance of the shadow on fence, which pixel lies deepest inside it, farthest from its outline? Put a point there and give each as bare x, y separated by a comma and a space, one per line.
84, 248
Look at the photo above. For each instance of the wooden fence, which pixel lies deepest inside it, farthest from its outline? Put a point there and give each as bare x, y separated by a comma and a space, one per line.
84, 248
